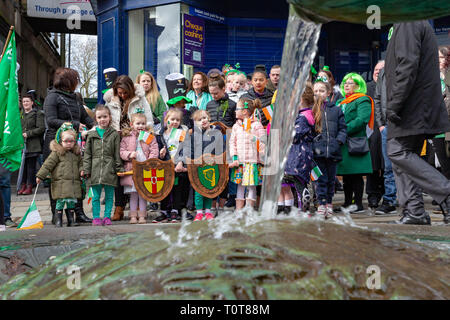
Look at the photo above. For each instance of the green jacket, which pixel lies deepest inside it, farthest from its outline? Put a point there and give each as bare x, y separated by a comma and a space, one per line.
159, 109
101, 160
357, 116
34, 126
64, 168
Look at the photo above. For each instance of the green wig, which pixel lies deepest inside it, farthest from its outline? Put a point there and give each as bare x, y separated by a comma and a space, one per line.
358, 80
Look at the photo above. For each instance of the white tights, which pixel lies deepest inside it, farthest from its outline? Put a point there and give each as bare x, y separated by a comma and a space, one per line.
241, 192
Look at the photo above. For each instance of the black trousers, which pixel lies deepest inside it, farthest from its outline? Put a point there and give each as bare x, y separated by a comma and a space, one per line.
120, 197
375, 187
29, 170
177, 198
353, 185
439, 148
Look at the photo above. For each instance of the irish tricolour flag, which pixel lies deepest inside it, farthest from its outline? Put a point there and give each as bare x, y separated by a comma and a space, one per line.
315, 173
177, 135
32, 219
147, 137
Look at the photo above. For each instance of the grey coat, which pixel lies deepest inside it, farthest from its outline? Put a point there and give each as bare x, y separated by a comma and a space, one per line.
380, 100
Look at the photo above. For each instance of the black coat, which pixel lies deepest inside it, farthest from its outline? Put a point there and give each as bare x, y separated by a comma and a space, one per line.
60, 107
371, 88
266, 100
334, 133
376, 151
415, 105
217, 114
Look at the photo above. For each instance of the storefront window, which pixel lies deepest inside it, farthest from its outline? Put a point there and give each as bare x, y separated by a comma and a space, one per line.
154, 42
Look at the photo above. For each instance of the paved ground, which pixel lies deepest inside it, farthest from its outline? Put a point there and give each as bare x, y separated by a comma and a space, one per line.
34, 247
20, 204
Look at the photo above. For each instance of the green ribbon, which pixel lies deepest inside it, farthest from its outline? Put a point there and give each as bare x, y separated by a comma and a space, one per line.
224, 107
321, 79
391, 31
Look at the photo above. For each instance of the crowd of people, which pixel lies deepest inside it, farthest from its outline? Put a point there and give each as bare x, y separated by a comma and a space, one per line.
340, 129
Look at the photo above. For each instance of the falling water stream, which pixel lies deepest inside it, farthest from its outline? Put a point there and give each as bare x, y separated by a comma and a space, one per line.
300, 48
249, 254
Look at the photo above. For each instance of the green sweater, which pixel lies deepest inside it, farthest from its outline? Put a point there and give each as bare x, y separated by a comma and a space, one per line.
159, 108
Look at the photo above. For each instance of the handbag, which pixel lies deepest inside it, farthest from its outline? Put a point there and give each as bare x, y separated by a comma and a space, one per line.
357, 146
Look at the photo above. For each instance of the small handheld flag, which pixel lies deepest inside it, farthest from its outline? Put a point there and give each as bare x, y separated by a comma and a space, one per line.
147, 137
32, 218
315, 173
247, 124
90, 195
268, 112
177, 134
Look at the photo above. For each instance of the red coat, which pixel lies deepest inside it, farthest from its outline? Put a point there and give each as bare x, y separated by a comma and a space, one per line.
127, 146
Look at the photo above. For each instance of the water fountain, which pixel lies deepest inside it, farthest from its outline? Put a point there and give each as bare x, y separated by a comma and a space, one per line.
255, 255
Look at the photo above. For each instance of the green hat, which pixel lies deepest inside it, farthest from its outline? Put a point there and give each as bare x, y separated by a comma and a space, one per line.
64, 127
177, 99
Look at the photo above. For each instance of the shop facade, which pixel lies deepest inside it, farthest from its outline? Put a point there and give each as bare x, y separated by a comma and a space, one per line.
166, 36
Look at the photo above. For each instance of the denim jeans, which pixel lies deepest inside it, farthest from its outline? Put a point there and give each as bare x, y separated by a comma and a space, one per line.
5, 189
325, 183
390, 190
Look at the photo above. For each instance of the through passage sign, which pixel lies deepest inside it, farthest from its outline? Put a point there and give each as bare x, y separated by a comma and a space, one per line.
193, 40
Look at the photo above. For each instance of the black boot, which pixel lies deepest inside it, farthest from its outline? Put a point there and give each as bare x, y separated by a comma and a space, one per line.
58, 218
287, 210
407, 218
280, 209
79, 213
70, 214
52, 206
445, 207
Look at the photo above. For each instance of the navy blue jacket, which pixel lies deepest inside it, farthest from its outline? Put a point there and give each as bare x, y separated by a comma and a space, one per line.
334, 133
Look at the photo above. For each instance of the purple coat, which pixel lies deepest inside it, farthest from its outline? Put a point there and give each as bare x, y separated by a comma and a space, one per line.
300, 156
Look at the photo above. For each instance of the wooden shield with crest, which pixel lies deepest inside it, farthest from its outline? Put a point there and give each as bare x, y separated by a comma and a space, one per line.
153, 178
223, 127
208, 174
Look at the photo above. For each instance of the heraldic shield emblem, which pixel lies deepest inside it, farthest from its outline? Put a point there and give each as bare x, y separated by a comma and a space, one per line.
208, 174
153, 179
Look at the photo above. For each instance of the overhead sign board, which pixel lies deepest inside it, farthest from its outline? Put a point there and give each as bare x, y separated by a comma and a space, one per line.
61, 9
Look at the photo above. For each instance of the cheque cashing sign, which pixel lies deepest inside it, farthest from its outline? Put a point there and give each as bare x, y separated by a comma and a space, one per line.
193, 30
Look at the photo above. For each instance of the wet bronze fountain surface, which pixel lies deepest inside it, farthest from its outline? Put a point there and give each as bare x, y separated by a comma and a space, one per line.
355, 11
274, 259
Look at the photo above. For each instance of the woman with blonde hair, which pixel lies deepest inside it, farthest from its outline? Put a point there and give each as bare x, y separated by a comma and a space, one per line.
154, 99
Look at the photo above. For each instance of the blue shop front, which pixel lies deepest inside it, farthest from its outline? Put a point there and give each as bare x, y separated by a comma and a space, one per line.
166, 36
185, 36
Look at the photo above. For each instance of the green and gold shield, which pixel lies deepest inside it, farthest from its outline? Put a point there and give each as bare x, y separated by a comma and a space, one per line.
208, 174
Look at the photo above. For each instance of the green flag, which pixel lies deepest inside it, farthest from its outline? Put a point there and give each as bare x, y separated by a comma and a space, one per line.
11, 139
